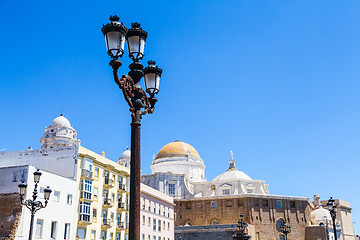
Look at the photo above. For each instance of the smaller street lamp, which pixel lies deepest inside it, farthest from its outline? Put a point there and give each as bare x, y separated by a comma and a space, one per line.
285, 229
332, 208
241, 233
32, 204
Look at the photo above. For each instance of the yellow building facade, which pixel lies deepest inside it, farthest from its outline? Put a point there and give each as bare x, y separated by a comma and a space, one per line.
103, 197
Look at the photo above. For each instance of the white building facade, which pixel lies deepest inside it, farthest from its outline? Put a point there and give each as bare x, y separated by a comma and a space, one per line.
157, 215
49, 223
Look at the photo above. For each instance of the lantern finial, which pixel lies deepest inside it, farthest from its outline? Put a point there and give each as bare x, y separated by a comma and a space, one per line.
151, 62
135, 25
114, 18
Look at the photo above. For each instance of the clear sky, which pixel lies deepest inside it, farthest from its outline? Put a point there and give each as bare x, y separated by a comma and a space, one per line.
276, 82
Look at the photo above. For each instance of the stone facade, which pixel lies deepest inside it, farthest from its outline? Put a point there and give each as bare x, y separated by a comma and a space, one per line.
261, 212
10, 213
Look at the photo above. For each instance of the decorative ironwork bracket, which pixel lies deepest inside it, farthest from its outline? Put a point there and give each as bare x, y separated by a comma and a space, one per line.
136, 97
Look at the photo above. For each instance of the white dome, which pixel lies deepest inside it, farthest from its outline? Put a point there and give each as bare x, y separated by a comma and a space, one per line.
61, 121
125, 155
232, 174
320, 213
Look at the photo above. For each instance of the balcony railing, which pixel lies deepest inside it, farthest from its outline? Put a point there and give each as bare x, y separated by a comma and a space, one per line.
109, 182
84, 218
121, 225
106, 222
85, 195
86, 173
121, 205
108, 202
122, 187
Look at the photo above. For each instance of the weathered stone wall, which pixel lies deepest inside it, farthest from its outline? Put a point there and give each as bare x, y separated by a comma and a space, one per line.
10, 213
262, 212
315, 233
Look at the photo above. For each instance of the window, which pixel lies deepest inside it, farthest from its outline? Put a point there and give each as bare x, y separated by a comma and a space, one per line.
103, 235
229, 203
168, 226
118, 236
265, 203
86, 186
281, 237
240, 204
111, 236
154, 237
250, 190
214, 222
149, 206
84, 211
188, 205
81, 233
292, 204
154, 224
278, 204
226, 191
148, 237
96, 172
93, 234
56, 196
143, 237
159, 226
149, 221
53, 230
143, 219
67, 231
39, 228
94, 212
159, 238
213, 204
171, 188
95, 192
69, 199
143, 202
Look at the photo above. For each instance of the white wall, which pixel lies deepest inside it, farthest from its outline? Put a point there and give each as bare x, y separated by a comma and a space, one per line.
60, 160
58, 211
154, 196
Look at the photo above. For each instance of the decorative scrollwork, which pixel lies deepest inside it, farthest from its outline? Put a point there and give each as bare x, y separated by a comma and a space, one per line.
136, 97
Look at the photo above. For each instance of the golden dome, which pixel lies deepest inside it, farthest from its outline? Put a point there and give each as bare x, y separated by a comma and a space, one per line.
178, 149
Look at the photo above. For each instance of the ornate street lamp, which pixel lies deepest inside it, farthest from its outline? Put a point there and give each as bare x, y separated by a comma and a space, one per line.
285, 229
332, 208
32, 204
241, 234
139, 102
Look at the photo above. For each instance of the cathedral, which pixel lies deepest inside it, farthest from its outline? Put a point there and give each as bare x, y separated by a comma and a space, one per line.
210, 209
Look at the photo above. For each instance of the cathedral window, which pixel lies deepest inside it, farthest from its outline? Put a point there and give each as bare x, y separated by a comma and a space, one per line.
265, 203
188, 205
226, 191
171, 188
240, 204
213, 204
228, 203
292, 204
250, 190
278, 204
214, 222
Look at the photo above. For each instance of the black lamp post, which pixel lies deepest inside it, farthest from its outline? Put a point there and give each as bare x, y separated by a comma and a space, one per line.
241, 233
139, 102
32, 204
285, 229
332, 208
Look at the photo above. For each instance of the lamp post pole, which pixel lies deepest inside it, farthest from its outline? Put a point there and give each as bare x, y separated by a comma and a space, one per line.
139, 102
32, 204
332, 208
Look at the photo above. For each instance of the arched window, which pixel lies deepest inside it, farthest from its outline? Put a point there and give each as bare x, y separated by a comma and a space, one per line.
214, 222
188, 223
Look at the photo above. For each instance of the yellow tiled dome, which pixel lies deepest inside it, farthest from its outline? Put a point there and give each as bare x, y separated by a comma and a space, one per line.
177, 149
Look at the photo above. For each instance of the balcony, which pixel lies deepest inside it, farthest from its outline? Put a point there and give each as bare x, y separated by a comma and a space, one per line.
85, 196
84, 219
106, 223
108, 183
120, 226
122, 188
107, 203
86, 174
121, 207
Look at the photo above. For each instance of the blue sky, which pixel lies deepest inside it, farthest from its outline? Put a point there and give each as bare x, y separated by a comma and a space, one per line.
276, 82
